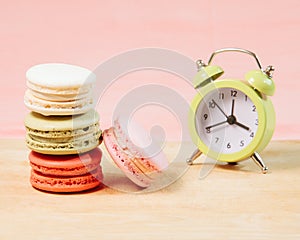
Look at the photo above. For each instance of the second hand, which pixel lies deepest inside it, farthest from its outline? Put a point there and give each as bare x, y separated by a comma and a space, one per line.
219, 108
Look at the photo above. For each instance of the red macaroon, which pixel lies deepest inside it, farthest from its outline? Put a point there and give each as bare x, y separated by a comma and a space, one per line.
66, 173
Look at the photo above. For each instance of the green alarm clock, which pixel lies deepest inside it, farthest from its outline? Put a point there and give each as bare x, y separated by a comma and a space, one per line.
232, 120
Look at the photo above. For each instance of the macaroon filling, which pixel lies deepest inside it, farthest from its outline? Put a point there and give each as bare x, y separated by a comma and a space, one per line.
29, 98
61, 91
63, 133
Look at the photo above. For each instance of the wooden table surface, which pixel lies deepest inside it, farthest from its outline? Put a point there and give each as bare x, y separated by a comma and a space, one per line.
232, 202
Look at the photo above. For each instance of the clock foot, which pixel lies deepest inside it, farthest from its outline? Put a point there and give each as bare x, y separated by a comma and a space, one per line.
232, 163
194, 156
258, 160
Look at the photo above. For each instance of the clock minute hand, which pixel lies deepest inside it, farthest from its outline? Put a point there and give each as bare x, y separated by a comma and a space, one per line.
232, 107
215, 125
232, 119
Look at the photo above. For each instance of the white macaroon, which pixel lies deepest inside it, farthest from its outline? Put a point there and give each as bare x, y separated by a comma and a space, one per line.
59, 89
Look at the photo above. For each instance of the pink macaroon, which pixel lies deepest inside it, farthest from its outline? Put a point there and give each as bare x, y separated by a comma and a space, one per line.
131, 148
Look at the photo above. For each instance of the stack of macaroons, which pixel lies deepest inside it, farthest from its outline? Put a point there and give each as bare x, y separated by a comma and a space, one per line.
63, 128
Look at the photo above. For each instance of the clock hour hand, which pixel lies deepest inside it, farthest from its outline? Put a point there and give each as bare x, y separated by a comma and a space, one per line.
232, 120
215, 125
242, 126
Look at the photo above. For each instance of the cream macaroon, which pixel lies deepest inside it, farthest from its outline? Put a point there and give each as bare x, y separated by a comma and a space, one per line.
59, 89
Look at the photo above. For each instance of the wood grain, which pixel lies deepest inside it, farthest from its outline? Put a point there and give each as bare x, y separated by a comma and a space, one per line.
231, 202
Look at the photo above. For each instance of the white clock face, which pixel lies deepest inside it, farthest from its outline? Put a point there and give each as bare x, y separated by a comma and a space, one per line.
226, 120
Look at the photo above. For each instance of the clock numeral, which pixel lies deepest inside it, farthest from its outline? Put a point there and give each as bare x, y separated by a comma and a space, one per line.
228, 145
205, 116
212, 104
256, 122
233, 93
207, 130
253, 108
246, 98
242, 143
221, 95
252, 134
217, 139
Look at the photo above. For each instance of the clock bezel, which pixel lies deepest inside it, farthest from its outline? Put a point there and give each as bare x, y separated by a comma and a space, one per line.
260, 108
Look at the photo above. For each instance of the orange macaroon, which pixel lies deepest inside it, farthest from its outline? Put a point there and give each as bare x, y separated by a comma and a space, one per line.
66, 173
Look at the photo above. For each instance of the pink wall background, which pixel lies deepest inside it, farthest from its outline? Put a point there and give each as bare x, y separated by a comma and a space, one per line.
89, 32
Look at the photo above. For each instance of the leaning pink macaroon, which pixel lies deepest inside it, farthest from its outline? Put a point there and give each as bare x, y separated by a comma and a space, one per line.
133, 152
